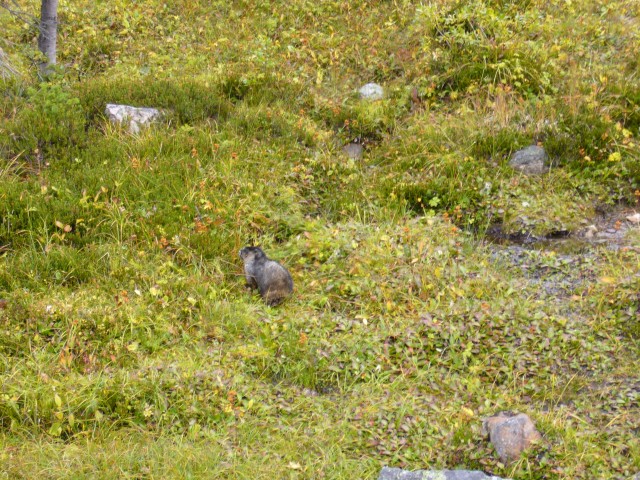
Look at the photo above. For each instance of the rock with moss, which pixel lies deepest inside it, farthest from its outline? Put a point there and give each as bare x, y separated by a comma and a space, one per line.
399, 474
135, 117
532, 160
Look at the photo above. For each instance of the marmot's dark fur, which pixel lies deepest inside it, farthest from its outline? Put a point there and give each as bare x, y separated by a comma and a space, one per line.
272, 280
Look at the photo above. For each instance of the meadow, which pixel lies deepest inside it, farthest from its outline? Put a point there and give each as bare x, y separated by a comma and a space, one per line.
129, 347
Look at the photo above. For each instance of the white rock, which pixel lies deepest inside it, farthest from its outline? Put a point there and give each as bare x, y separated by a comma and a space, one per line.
635, 218
135, 116
371, 91
398, 474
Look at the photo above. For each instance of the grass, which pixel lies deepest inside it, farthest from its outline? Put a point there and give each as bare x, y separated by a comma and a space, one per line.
128, 345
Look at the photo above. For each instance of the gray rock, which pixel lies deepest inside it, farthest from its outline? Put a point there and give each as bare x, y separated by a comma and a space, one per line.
399, 474
371, 91
134, 116
353, 150
532, 160
510, 434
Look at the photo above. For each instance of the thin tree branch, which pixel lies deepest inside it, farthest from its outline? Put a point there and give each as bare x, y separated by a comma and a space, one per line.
6, 69
17, 12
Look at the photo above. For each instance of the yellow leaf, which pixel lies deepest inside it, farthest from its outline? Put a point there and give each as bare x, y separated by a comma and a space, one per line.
467, 412
608, 280
58, 400
132, 347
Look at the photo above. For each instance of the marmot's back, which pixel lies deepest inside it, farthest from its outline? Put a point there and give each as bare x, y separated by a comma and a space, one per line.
272, 280
276, 283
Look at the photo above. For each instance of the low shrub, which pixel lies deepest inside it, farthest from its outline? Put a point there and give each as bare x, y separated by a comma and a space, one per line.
51, 120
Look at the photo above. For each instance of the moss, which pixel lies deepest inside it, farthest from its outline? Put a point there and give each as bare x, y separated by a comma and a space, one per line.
190, 101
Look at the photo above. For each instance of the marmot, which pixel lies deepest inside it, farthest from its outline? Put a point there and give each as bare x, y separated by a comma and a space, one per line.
272, 280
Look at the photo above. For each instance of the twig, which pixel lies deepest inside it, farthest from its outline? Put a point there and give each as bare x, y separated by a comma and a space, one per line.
17, 12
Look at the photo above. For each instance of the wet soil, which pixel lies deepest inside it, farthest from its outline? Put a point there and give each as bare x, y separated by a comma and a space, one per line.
609, 229
558, 266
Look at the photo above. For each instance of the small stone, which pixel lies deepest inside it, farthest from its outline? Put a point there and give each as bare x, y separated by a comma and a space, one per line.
635, 218
612, 230
399, 474
510, 434
530, 161
371, 91
353, 150
134, 116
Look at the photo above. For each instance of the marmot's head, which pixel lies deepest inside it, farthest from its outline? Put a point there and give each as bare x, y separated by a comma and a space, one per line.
251, 253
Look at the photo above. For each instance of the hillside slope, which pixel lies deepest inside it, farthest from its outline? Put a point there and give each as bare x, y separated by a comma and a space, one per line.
129, 347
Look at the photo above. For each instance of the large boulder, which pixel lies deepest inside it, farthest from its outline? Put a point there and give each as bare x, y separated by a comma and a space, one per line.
399, 474
510, 434
135, 117
371, 91
532, 160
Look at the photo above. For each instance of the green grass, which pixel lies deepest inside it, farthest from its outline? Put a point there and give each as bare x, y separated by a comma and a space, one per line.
129, 347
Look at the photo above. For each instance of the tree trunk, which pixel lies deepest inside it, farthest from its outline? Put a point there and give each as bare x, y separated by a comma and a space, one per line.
48, 33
